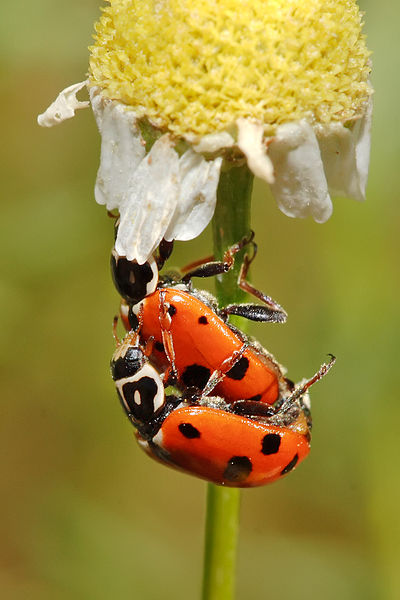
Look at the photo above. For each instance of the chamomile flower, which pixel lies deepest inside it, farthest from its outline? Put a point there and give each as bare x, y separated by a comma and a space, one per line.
179, 86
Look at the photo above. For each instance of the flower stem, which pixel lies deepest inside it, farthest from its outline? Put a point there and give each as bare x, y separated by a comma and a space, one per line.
231, 222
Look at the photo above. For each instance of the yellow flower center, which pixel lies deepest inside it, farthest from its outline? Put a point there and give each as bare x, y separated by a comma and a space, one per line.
195, 66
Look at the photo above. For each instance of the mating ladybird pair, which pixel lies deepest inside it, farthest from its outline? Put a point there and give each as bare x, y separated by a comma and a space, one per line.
233, 418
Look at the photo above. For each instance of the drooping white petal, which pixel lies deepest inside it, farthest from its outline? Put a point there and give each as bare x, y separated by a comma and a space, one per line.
63, 107
251, 143
213, 142
122, 150
345, 154
338, 154
197, 196
300, 186
362, 133
152, 195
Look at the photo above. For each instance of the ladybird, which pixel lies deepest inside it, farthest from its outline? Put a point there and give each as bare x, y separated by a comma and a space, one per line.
225, 448
190, 332
240, 444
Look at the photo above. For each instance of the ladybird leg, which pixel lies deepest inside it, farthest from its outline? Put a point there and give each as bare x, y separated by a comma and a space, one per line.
212, 268
197, 263
148, 346
273, 312
218, 375
171, 374
252, 408
256, 312
301, 389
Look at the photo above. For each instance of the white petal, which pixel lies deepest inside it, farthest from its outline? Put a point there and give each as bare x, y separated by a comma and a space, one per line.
251, 143
197, 196
345, 154
152, 197
362, 133
213, 142
122, 150
300, 186
63, 107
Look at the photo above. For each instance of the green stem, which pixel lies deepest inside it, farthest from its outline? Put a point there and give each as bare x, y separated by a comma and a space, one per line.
231, 222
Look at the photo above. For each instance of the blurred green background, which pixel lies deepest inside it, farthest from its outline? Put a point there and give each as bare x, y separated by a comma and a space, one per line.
84, 514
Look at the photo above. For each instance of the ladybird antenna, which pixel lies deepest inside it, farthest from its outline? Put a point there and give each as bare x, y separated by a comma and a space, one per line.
301, 389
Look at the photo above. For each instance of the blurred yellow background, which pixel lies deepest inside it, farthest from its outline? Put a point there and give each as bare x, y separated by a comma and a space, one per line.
85, 514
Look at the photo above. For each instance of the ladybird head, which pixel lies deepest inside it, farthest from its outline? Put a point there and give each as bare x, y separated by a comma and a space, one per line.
132, 280
138, 383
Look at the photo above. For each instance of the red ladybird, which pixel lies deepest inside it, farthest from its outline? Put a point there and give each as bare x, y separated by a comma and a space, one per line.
190, 334
241, 444
225, 448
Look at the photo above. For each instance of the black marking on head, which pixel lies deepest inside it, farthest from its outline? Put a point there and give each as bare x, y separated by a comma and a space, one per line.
255, 398
290, 465
203, 320
196, 376
127, 365
270, 443
131, 279
189, 431
172, 310
239, 370
145, 390
238, 468
159, 346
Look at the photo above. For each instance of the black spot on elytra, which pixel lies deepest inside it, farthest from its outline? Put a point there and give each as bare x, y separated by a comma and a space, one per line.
239, 370
189, 431
203, 320
270, 443
159, 346
172, 310
127, 365
290, 465
147, 390
255, 398
238, 468
196, 376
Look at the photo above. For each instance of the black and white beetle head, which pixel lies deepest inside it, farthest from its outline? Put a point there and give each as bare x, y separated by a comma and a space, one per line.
138, 383
133, 281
